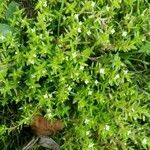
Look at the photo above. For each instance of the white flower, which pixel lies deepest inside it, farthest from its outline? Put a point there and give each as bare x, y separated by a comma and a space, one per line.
34, 55
96, 82
93, 4
112, 31
2, 37
33, 76
46, 96
87, 133
86, 81
133, 109
66, 58
44, 71
110, 95
80, 23
125, 71
129, 132
74, 54
49, 113
77, 74
124, 33
45, 4
33, 30
107, 127
86, 121
69, 88
76, 16
50, 19
90, 145
107, 8
81, 68
117, 76
41, 36
89, 32
64, 17
31, 61
50, 95
90, 93
144, 141
102, 71
79, 30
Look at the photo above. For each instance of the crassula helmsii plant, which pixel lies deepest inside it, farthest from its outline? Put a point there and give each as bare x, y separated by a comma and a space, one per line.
84, 62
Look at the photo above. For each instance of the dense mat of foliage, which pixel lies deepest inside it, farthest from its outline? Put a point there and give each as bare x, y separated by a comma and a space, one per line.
85, 62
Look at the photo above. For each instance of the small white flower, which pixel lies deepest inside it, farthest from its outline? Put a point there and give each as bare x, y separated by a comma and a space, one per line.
33, 76
77, 16
59, 45
50, 19
2, 37
129, 132
43, 43
87, 133
125, 71
124, 33
33, 30
16, 53
31, 61
86, 121
110, 95
81, 68
90, 145
41, 36
69, 88
90, 93
107, 8
34, 55
93, 4
62, 79
50, 95
89, 32
45, 4
49, 113
117, 76
102, 71
74, 54
112, 31
46, 96
80, 23
107, 127
44, 71
79, 30
96, 82
64, 17
66, 58
132, 109
144, 141
86, 81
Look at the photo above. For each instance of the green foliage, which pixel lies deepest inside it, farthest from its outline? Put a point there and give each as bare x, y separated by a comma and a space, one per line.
85, 62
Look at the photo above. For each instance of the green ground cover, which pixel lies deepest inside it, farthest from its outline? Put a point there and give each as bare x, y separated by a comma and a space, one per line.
84, 62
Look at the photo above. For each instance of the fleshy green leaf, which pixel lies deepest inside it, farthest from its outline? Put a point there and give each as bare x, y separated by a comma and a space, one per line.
12, 7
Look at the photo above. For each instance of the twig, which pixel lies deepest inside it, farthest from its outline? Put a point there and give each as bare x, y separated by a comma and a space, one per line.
31, 143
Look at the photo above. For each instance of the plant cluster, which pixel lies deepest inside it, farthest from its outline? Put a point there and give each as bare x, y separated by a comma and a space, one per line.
84, 62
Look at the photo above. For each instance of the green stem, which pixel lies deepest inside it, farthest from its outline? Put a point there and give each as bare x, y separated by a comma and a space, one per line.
60, 15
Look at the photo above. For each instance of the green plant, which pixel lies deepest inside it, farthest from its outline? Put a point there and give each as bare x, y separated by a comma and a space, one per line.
85, 62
